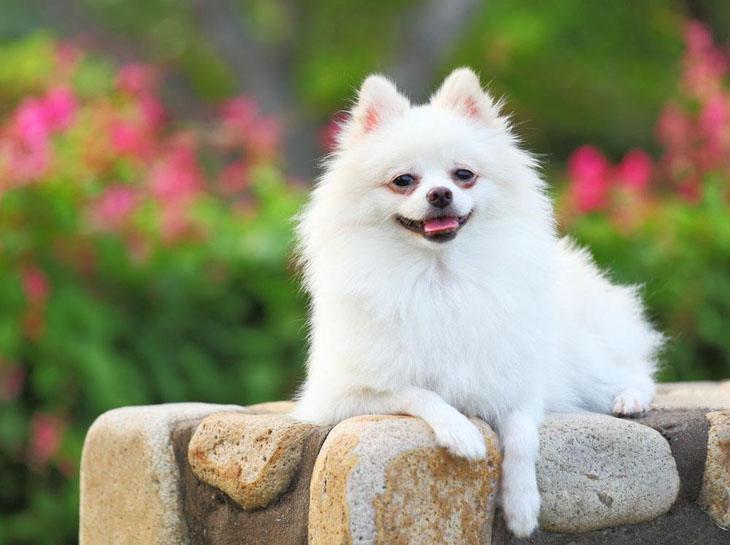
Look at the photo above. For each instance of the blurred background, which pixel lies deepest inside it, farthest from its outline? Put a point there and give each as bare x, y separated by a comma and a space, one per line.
152, 153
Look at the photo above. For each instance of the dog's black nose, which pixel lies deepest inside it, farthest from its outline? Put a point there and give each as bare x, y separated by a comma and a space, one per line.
440, 197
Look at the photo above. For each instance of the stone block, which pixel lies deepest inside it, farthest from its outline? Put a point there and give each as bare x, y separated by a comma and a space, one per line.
383, 480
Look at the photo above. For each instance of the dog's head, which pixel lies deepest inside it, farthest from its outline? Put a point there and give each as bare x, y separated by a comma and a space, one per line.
427, 173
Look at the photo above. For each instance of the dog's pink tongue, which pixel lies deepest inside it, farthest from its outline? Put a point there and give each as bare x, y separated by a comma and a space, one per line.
440, 225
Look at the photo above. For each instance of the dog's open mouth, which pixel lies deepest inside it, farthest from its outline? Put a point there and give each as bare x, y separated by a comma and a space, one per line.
438, 229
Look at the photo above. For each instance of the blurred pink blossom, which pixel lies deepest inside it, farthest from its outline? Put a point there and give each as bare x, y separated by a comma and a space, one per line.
588, 169
234, 178
240, 111
697, 37
176, 181
68, 54
35, 284
244, 126
635, 169
330, 132
12, 380
21, 161
263, 139
60, 107
152, 110
31, 124
137, 78
714, 120
46, 433
673, 127
114, 207
177, 178
704, 64
128, 138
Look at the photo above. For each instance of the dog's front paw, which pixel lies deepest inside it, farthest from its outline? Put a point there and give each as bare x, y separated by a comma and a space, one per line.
521, 512
628, 403
460, 437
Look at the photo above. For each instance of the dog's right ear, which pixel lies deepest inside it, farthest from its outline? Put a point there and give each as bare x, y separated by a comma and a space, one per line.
377, 101
462, 93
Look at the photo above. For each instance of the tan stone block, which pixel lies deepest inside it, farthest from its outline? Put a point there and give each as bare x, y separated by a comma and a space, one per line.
272, 407
129, 478
250, 457
715, 494
383, 480
692, 395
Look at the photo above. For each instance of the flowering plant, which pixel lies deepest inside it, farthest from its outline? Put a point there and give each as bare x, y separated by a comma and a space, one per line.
665, 221
142, 261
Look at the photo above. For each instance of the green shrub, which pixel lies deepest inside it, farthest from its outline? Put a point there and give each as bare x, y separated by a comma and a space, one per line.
665, 223
140, 263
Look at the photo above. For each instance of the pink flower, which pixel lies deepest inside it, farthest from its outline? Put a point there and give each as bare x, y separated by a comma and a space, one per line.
35, 284
635, 169
243, 126
68, 54
715, 116
12, 380
588, 162
263, 138
136, 78
705, 65
22, 161
31, 124
130, 139
234, 178
697, 37
114, 207
177, 177
674, 127
46, 431
60, 106
330, 132
588, 170
152, 110
240, 111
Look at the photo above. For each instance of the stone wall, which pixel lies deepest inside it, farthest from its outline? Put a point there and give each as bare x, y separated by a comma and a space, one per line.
211, 475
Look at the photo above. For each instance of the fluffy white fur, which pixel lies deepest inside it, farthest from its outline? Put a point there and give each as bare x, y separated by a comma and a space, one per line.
504, 322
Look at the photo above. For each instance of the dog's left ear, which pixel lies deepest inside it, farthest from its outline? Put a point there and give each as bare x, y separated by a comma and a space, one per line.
462, 93
377, 102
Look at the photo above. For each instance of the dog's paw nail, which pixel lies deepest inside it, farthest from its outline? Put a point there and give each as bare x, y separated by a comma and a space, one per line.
628, 403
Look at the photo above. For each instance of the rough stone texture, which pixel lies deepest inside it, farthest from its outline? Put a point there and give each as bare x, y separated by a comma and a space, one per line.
686, 433
129, 478
596, 471
715, 493
693, 395
250, 457
272, 407
214, 519
383, 480
686, 524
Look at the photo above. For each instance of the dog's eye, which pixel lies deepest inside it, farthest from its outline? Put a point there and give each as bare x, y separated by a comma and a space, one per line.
463, 175
404, 180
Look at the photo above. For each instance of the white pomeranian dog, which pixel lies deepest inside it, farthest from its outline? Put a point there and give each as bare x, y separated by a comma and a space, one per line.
440, 289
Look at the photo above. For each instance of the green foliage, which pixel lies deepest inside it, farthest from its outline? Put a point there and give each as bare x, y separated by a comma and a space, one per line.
681, 257
139, 264
577, 71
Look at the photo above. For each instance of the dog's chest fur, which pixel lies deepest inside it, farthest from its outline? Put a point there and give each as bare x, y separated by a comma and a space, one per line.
441, 326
